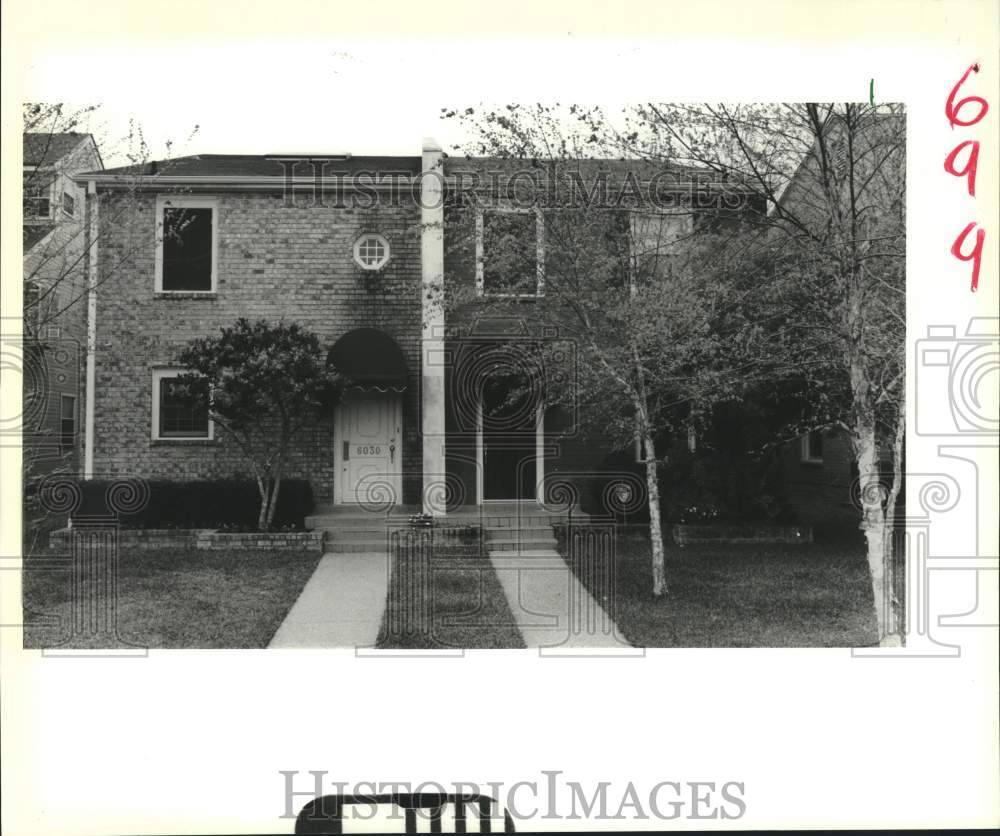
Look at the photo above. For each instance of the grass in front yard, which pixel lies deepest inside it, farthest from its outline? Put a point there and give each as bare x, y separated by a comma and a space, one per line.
454, 601
746, 595
174, 598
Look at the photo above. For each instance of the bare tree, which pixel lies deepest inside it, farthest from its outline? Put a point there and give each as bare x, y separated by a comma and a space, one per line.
57, 236
829, 265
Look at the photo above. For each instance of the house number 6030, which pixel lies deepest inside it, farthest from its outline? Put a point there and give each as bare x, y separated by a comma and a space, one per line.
368, 451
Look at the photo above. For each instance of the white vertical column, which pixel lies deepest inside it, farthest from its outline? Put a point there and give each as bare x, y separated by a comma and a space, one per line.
89, 393
432, 318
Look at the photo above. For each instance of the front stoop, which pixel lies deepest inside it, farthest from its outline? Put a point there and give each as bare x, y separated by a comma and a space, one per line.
507, 526
355, 530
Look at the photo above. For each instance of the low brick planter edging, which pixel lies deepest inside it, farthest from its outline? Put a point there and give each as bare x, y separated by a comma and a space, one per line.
280, 540
147, 539
690, 534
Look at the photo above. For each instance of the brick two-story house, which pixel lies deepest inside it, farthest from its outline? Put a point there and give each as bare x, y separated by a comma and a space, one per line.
360, 250
54, 294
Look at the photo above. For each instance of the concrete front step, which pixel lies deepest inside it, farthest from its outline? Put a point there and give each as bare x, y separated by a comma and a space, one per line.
527, 554
508, 528
520, 545
356, 534
356, 546
333, 522
486, 514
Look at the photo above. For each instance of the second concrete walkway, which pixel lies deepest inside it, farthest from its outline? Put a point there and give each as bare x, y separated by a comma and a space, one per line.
341, 605
552, 608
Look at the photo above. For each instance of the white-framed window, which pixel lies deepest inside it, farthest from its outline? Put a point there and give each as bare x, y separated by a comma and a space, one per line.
655, 242
69, 204
510, 252
67, 423
37, 201
180, 413
812, 447
187, 231
371, 251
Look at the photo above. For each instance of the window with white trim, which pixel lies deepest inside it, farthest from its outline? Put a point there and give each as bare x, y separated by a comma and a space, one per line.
510, 252
37, 201
68, 204
186, 244
656, 240
812, 447
180, 409
67, 423
371, 252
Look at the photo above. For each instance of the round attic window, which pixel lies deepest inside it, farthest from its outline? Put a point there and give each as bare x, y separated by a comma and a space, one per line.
371, 252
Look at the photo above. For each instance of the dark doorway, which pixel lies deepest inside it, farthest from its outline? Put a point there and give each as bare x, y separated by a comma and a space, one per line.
509, 441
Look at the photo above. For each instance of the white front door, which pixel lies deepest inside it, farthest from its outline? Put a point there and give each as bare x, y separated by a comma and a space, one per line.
369, 448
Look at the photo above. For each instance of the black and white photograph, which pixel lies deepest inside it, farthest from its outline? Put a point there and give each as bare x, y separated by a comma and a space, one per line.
447, 369
580, 380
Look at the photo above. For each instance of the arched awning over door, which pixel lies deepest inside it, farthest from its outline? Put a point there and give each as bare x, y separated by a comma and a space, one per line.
370, 360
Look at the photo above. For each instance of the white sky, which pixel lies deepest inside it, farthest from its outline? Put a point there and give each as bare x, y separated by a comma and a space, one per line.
263, 97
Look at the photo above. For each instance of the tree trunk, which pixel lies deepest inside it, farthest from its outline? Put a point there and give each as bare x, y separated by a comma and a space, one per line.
655, 525
866, 450
274, 499
263, 485
874, 527
896, 621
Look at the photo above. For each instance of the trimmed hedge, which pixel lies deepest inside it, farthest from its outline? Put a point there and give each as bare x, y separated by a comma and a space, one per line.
213, 503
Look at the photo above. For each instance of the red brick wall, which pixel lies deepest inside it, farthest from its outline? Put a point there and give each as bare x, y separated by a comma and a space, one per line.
821, 493
274, 262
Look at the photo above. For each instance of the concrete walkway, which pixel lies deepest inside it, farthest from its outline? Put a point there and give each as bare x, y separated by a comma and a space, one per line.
552, 608
341, 605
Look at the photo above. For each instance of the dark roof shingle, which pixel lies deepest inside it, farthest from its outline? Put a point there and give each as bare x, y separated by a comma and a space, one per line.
47, 149
261, 165
33, 233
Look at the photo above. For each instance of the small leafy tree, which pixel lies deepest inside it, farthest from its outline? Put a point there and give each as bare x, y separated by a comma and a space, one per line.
266, 383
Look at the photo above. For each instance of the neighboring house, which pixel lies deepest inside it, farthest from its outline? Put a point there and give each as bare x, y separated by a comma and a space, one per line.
364, 267
54, 295
820, 466
820, 471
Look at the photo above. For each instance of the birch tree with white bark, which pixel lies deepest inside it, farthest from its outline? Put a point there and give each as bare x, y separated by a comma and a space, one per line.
626, 280
828, 263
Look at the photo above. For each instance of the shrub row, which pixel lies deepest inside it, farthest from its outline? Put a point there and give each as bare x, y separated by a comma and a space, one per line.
212, 503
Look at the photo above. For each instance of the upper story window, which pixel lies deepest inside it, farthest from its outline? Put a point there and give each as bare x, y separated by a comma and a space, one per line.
657, 240
812, 447
37, 201
67, 423
371, 252
186, 244
179, 411
68, 204
510, 253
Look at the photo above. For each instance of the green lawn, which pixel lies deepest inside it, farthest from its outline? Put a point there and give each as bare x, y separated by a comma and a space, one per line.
179, 598
746, 595
455, 602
